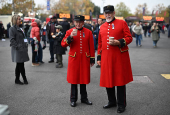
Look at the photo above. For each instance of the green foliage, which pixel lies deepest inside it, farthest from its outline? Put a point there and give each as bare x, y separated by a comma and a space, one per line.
122, 10
23, 6
82, 7
96, 10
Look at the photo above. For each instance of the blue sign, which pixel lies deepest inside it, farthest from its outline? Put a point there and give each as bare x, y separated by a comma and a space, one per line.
48, 4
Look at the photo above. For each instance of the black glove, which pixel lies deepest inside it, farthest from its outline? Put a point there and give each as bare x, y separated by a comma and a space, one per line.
69, 40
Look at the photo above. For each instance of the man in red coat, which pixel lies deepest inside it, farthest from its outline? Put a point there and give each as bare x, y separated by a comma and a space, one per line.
114, 58
81, 56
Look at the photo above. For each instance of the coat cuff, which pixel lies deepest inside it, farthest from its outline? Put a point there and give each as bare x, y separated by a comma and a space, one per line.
122, 42
99, 58
69, 40
92, 60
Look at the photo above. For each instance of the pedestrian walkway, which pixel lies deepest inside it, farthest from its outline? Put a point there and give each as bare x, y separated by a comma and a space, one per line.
48, 91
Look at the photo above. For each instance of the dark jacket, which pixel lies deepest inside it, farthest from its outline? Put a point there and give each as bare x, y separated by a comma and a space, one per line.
19, 48
57, 48
1, 30
96, 31
169, 31
26, 28
145, 28
66, 26
48, 29
29, 31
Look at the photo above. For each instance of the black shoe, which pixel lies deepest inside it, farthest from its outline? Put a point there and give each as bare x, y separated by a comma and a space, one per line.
73, 104
44, 47
41, 62
18, 82
51, 61
59, 66
98, 66
121, 109
109, 105
87, 102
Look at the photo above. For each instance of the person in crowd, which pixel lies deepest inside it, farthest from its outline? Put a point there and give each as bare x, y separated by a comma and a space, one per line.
149, 28
155, 34
81, 56
58, 49
19, 49
28, 34
96, 33
44, 35
26, 28
8, 26
34, 36
71, 24
35, 32
160, 28
65, 25
137, 29
141, 37
113, 56
145, 28
93, 26
50, 31
1, 30
130, 27
163, 28
167, 26
168, 31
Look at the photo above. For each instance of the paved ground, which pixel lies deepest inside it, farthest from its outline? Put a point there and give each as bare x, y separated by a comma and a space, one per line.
48, 91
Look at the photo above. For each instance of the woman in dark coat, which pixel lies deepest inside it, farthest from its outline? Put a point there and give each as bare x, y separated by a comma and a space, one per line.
19, 48
57, 48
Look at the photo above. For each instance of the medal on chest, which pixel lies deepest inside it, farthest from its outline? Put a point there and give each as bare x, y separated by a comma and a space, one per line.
113, 26
83, 35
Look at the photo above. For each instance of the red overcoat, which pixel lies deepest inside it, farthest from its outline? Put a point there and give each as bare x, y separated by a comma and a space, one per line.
81, 50
115, 61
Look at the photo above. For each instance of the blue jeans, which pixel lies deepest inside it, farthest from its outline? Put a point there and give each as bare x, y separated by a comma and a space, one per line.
51, 41
155, 42
141, 37
149, 34
138, 39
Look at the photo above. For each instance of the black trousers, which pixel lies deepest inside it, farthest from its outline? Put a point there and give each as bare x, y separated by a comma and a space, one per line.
51, 49
121, 95
33, 52
74, 94
20, 69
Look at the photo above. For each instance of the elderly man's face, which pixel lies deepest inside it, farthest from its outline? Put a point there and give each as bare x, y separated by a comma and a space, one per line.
78, 24
109, 16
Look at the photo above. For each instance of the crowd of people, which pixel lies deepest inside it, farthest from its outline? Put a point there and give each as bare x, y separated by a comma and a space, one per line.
147, 29
83, 38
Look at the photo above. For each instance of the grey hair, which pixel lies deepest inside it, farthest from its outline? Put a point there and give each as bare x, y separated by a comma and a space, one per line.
14, 19
37, 21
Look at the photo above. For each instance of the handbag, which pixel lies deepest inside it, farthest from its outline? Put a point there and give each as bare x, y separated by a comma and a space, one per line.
133, 34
